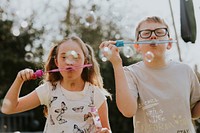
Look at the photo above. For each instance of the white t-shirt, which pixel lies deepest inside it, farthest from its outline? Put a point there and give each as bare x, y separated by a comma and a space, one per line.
165, 97
68, 111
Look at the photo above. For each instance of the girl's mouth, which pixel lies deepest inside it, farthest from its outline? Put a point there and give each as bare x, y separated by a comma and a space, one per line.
69, 68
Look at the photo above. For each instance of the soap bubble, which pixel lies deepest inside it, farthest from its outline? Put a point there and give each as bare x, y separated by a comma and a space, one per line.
149, 56
24, 24
105, 54
71, 57
29, 57
17, 132
128, 51
90, 18
15, 31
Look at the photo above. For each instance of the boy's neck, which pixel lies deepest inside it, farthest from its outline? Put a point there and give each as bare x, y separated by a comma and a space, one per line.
156, 63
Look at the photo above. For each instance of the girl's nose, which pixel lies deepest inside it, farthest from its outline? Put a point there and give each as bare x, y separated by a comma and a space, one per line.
69, 62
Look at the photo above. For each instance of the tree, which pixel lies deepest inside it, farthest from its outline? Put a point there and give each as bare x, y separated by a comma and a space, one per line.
14, 56
92, 29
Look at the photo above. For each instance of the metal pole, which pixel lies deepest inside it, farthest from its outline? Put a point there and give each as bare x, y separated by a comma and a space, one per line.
178, 48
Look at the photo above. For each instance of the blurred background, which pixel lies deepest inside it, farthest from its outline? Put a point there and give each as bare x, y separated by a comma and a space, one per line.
28, 29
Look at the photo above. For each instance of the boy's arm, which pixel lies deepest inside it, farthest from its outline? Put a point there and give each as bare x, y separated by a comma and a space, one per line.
126, 102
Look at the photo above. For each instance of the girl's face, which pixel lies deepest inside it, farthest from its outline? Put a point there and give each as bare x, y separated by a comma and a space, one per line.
157, 50
70, 54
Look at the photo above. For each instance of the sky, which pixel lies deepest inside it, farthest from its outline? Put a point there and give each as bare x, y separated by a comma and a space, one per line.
126, 14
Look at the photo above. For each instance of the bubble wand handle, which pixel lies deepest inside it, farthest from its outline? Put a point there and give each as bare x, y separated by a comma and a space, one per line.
120, 43
40, 73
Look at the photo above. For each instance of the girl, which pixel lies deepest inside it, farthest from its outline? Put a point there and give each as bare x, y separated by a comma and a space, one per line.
70, 95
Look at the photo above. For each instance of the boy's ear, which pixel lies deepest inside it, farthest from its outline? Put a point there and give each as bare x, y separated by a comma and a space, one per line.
137, 47
169, 45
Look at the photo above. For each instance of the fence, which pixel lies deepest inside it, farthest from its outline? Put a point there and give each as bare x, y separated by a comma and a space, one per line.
16, 122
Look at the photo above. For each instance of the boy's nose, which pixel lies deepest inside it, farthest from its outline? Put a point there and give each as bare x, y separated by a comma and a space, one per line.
153, 36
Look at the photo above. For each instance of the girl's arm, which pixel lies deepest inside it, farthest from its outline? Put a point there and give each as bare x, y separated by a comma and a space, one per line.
12, 103
103, 114
196, 111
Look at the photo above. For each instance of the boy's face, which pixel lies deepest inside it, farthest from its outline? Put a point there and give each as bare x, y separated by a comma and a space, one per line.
153, 31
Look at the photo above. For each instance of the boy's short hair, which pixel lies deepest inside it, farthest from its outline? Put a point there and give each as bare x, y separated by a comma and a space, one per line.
154, 19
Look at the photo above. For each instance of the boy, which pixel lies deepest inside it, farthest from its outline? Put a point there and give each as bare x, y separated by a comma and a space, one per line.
161, 95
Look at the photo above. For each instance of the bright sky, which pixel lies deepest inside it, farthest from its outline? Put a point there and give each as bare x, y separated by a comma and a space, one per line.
126, 14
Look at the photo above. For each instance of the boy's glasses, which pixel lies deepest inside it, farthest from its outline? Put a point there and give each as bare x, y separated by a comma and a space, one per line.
159, 32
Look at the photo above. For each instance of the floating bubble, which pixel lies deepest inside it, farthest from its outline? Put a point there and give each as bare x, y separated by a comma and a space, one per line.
90, 18
24, 24
5, 126
71, 57
149, 56
105, 54
29, 57
28, 47
15, 31
17, 132
128, 51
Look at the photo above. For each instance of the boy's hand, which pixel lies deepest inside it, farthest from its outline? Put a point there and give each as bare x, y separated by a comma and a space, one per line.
115, 58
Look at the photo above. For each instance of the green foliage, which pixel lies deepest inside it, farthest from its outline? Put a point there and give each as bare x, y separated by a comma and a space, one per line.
13, 51
12, 57
12, 54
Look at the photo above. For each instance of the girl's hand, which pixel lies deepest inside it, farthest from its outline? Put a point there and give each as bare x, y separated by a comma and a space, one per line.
105, 130
26, 74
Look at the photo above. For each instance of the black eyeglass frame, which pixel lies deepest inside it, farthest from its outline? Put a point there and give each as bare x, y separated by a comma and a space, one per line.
166, 33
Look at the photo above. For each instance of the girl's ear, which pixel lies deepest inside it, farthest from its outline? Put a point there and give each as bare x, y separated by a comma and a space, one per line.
137, 47
55, 61
88, 60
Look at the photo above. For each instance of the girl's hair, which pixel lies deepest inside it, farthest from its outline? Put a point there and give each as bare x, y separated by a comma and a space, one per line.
91, 74
154, 19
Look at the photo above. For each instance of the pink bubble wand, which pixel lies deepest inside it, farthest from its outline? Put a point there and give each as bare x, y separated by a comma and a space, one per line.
40, 73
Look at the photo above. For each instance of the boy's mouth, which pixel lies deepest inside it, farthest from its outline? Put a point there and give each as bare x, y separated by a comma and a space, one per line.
153, 45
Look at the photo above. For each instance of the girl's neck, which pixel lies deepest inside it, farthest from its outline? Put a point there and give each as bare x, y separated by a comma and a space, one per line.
73, 85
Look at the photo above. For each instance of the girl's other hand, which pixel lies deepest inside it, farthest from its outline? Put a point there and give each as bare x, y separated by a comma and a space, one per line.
26, 74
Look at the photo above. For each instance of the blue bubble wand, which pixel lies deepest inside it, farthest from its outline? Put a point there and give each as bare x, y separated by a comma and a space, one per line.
121, 43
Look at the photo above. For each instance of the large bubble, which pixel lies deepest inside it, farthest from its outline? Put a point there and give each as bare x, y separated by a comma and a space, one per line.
105, 53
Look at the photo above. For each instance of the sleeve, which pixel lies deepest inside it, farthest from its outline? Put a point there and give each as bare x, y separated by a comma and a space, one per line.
99, 97
43, 93
195, 89
131, 80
